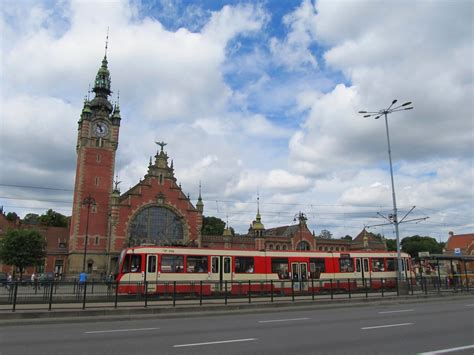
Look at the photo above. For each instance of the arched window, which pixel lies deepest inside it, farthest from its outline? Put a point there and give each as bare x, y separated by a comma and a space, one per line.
320, 248
284, 247
342, 248
278, 247
303, 245
337, 248
156, 225
270, 246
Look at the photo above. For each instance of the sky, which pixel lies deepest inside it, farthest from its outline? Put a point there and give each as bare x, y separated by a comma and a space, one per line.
255, 99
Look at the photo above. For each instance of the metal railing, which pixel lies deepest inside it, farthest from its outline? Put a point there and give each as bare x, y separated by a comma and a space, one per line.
100, 294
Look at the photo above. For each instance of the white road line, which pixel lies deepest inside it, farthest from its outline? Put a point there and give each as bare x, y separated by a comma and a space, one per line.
399, 311
119, 330
282, 320
444, 351
387, 326
214, 342
469, 305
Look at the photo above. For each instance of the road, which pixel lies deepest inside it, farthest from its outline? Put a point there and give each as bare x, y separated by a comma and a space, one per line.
405, 328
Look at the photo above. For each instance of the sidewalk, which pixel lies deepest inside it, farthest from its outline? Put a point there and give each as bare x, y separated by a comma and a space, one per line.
105, 311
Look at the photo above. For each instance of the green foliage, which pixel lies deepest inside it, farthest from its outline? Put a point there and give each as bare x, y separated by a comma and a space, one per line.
22, 248
11, 216
212, 226
346, 237
391, 244
53, 218
325, 234
31, 218
413, 245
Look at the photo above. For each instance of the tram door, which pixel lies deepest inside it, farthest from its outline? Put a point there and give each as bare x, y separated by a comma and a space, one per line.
221, 271
362, 270
151, 272
300, 276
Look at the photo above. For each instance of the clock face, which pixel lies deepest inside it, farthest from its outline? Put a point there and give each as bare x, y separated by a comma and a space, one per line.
101, 129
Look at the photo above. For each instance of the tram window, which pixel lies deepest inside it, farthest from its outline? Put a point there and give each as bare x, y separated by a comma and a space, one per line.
244, 264
316, 267
226, 265
391, 264
126, 264
280, 267
152, 263
215, 264
358, 268
366, 265
377, 264
136, 261
346, 265
172, 263
196, 264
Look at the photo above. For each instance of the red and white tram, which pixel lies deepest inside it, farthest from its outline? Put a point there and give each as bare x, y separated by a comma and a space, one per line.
159, 266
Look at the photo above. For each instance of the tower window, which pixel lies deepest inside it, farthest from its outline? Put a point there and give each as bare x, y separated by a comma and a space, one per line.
97, 181
98, 158
96, 240
94, 208
161, 179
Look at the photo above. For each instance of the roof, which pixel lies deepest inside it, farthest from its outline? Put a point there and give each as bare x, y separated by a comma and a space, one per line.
461, 241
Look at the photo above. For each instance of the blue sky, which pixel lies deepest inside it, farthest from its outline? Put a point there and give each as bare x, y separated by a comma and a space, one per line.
251, 97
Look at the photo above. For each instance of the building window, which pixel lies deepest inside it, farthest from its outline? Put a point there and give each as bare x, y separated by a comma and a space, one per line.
97, 181
303, 245
96, 240
270, 246
157, 225
337, 248
278, 247
98, 158
320, 248
284, 247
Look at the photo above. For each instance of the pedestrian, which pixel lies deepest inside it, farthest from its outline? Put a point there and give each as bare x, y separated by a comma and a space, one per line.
82, 280
9, 281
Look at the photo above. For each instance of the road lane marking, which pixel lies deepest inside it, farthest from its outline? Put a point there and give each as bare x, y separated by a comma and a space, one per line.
215, 342
387, 326
399, 311
444, 351
119, 330
469, 305
282, 320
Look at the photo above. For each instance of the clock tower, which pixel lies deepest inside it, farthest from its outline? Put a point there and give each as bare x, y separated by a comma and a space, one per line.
97, 141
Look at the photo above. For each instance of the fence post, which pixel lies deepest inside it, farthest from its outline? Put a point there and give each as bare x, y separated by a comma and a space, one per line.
116, 292
250, 291
200, 293
15, 291
366, 289
312, 288
293, 290
411, 285
349, 287
84, 296
174, 293
146, 294
92, 290
225, 292
381, 285
51, 295
271, 290
332, 293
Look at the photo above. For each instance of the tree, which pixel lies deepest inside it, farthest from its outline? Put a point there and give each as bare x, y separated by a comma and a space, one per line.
413, 245
22, 248
346, 237
325, 234
31, 218
212, 226
53, 218
11, 216
391, 244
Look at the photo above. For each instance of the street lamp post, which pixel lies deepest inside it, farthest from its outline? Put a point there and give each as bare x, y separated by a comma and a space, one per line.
89, 201
394, 219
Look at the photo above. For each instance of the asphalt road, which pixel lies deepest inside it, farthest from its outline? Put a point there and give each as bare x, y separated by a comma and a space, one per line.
405, 328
